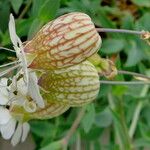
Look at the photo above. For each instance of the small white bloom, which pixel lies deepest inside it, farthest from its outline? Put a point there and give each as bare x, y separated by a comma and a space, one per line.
10, 128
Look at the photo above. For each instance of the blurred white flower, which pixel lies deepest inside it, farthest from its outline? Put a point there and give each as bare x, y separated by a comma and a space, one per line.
10, 128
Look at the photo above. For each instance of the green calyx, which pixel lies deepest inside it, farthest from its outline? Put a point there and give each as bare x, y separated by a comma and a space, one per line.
105, 67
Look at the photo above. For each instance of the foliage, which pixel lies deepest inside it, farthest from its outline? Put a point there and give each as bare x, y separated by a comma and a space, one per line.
107, 123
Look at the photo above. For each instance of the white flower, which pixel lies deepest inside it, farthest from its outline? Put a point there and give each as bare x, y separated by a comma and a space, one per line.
29, 76
10, 128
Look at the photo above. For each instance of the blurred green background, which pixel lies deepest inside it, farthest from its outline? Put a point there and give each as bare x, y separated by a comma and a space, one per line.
119, 119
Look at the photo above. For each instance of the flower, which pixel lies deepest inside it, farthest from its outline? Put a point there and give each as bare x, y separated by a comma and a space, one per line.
29, 77
65, 41
10, 128
13, 123
60, 81
61, 89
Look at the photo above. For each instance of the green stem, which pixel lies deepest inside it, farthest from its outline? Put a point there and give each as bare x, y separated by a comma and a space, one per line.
120, 124
133, 74
137, 111
120, 31
135, 119
124, 127
25, 9
124, 82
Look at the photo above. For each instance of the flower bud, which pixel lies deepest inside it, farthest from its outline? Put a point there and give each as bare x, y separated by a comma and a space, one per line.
74, 86
65, 41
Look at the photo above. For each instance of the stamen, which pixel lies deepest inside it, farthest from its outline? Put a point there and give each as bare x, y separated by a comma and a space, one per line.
7, 49
120, 31
11, 63
9, 70
123, 82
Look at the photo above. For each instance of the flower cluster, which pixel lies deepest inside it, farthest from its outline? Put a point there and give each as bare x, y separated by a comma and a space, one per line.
54, 73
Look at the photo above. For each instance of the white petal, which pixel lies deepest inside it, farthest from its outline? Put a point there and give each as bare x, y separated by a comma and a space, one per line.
8, 130
12, 31
17, 135
3, 81
3, 91
34, 91
3, 99
4, 116
18, 46
26, 129
22, 88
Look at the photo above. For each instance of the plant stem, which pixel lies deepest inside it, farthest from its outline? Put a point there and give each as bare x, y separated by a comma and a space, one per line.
8, 70
124, 127
120, 31
112, 105
133, 74
8, 64
135, 119
73, 128
137, 111
124, 82
120, 124
7, 49
25, 9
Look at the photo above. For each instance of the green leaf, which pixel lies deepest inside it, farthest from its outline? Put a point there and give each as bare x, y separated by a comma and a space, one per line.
4, 15
142, 143
3, 56
103, 119
111, 46
48, 10
42, 128
93, 134
119, 90
143, 23
88, 118
35, 26
43, 12
135, 54
57, 145
16, 4
145, 3
23, 26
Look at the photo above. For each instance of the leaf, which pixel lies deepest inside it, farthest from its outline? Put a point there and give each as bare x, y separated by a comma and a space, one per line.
34, 28
135, 55
57, 145
119, 90
48, 10
43, 12
16, 4
42, 128
111, 46
145, 3
4, 15
142, 143
36, 6
143, 22
88, 119
93, 134
23, 26
103, 119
